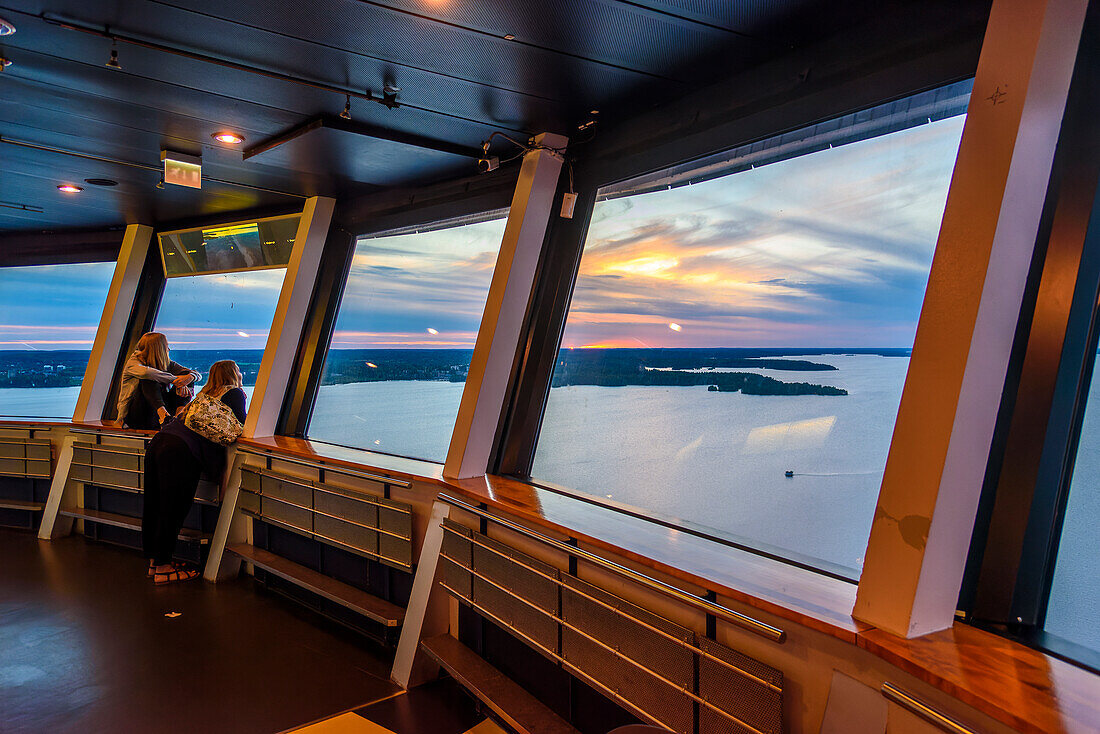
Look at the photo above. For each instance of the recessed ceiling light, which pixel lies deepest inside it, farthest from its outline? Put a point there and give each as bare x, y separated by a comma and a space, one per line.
229, 138
101, 181
6, 28
509, 37
69, 188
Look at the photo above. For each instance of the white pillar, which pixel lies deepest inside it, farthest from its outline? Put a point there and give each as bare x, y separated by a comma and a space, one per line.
290, 314
513, 278
111, 333
929, 497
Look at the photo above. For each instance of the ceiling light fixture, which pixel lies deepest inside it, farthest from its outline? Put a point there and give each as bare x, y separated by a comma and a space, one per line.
160, 184
6, 27
112, 63
346, 114
229, 138
509, 37
4, 63
69, 188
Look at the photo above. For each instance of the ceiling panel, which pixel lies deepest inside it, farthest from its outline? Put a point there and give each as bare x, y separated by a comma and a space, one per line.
460, 79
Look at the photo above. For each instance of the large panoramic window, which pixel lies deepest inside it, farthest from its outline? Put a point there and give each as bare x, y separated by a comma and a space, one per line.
736, 346
48, 319
224, 316
1073, 610
403, 340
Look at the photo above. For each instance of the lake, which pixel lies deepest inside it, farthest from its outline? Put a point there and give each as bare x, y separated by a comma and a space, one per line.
714, 460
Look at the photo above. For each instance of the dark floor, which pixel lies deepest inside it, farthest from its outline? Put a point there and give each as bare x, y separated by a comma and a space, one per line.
86, 646
441, 707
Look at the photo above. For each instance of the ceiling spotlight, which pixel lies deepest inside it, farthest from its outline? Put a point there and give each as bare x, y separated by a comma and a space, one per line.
6, 28
228, 138
112, 63
346, 114
509, 37
160, 184
4, 63
69, 188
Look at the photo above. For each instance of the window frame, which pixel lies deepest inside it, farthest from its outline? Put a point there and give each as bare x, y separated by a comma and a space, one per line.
559, 267
1016, 538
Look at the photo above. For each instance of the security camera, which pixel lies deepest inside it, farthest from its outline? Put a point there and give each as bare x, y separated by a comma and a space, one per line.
488, 164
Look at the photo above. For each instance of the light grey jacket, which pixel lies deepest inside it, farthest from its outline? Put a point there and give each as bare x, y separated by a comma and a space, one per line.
134, 371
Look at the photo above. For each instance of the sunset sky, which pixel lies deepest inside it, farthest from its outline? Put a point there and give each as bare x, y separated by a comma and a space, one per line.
830, 249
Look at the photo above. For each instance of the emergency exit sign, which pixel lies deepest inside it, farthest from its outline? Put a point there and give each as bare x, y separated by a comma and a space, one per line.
182, 169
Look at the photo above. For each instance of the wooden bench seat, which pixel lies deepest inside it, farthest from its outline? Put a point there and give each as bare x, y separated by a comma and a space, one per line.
357, 600
22, 505
130, 523
515, 706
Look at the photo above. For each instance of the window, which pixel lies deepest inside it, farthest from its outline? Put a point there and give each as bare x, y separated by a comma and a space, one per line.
1072, 609
735, 350
224, 316
403, 340
50, 314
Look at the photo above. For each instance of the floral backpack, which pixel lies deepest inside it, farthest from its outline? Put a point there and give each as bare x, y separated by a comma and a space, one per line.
212, 419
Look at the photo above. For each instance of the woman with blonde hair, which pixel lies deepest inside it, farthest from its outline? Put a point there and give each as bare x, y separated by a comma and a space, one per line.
153, 386
177, 457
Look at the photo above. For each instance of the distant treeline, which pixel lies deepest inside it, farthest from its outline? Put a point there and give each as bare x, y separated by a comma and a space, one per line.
604, 367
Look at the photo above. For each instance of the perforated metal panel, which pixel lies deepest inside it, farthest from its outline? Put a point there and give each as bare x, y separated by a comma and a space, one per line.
12, 466
11, 450
745, 688
530, 578
363, 513
355, 521
661, 668
514, 593
290, 491
395, 546
80, 472
82, 454
117, 460
250, 480
248, 501
457, 557
288, 514
38, 450
355, 537
117, 477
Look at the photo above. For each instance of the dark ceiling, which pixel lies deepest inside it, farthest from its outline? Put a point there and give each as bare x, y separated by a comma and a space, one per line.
464, 70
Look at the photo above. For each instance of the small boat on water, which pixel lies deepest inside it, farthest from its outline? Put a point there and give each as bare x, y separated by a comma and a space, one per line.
788, 473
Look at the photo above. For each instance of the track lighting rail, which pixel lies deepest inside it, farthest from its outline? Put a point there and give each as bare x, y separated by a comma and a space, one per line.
335, 122
386, 100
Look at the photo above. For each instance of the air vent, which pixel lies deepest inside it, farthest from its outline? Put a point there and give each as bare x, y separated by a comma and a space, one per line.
6, 28
100, 182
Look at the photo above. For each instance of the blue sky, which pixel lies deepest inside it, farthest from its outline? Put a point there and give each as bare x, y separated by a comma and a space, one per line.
828, 249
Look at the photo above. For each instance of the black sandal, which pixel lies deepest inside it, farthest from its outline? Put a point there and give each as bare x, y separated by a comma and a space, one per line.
179, 573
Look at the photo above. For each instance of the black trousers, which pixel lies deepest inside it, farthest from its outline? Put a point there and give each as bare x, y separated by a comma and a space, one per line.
150, 395
171, 478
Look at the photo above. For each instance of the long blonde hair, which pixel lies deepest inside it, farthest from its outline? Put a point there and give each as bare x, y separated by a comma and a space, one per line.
152, 350
224, 375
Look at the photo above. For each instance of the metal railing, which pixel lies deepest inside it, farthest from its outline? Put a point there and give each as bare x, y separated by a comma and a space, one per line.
717, 610
919, 708
319, 465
